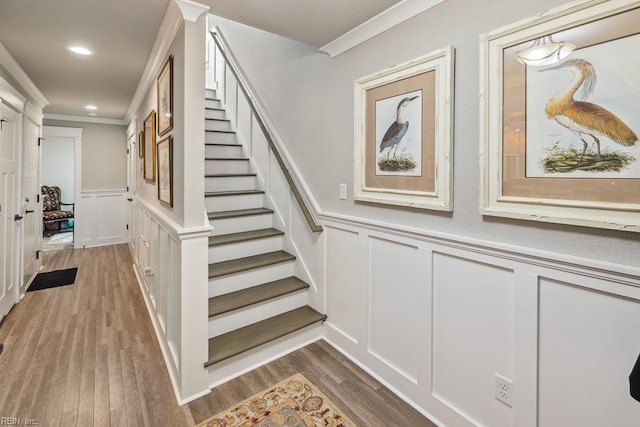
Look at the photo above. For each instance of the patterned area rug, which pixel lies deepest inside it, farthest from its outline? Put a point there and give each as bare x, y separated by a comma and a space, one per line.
294, 402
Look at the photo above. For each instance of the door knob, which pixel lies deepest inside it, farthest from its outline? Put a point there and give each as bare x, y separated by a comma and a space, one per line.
17, 217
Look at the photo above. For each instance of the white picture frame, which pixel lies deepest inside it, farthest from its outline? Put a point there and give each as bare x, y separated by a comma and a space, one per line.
427, 182
506, 190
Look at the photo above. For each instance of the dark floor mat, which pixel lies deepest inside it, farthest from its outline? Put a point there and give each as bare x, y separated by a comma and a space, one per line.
52, 279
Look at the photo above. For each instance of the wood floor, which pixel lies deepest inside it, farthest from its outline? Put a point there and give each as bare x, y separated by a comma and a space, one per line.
86, 355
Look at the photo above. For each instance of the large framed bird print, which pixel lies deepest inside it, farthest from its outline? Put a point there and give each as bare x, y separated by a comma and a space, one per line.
403, 134
560, 117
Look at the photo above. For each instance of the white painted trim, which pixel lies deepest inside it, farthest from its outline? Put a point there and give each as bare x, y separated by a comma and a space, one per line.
380, 23
615, 273
173, 227
87, 119
61, 132
76, 134
34, 113
171, 23
9, 94
191, 11
12, 66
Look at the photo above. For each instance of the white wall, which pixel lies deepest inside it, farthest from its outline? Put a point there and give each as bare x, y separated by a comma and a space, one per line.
435, 304
310, 98
435, 318
58, 167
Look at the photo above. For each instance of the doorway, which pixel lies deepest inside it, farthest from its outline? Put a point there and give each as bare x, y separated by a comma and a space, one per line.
59, 187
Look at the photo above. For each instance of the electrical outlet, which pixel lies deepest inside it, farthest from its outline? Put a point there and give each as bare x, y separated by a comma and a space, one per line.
503, 389
343, 191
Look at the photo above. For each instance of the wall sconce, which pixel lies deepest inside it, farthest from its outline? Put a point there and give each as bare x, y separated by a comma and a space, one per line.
544, 51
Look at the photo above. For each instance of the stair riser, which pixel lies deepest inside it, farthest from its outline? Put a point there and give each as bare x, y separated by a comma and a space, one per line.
221, 125
241, 223
230, 203
213, 103
228, 322
211, 93
223, 151
244, 249
215, 114
212, 167
231, 368
246, 279
220, 138
235, 183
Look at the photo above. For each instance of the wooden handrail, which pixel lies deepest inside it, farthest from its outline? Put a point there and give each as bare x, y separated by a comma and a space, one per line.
244, 85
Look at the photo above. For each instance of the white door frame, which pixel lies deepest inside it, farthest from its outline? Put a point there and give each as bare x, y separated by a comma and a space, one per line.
11, 97
76, 134
132, 156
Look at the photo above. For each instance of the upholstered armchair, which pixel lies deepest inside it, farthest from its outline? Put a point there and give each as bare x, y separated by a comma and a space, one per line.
53, 217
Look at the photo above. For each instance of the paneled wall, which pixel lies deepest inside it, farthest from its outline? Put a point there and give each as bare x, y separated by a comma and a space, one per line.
435, 317
104, 218
169, 262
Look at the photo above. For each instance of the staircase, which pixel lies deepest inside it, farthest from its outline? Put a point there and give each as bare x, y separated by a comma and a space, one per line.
257, 307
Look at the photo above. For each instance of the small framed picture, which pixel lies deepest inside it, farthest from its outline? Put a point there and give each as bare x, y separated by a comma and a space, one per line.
165, 171
149, 132
165, 97
141, 144
403, 134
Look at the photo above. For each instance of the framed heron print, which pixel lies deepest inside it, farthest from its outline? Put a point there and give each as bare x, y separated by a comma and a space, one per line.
560, 117
403, 134
165, 171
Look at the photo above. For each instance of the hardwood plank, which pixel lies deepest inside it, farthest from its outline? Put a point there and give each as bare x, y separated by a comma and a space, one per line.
233, 266
362, 398
245, 297
232, 343
225, 239
66, 349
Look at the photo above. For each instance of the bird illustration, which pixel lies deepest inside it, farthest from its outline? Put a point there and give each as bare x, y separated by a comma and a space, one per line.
398, 128
585, 118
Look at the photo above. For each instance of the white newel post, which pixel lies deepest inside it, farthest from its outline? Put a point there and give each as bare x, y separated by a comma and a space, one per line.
193, 243
194, 307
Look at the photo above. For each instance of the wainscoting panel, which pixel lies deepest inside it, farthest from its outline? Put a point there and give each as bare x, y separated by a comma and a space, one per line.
586, 354
397, 305
472, 336
444, 314
344, 284
170, 263
104, 218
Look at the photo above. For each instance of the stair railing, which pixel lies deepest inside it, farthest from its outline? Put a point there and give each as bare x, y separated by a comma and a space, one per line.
268, 131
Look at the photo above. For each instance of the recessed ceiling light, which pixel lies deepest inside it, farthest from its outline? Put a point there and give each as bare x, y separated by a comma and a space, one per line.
80, 50
90, 107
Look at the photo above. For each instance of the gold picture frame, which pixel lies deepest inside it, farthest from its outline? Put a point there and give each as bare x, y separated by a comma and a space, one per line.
141, 144
165, 97
403, 134
165, 171
535, 164
149, 130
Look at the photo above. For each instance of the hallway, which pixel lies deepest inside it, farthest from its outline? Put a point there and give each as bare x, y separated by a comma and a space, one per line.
86, 354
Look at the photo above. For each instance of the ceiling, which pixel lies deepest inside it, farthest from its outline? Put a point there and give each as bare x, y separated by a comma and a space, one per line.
122, 33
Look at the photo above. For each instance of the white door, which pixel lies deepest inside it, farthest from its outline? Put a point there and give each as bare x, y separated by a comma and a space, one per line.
8, 211
31, 222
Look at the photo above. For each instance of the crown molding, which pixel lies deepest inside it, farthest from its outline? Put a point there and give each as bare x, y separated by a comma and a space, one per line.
171, 23
191, 11
83, 119
380, 23
15, 70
